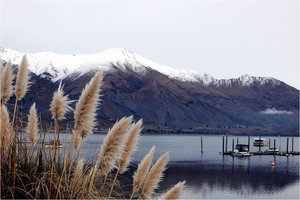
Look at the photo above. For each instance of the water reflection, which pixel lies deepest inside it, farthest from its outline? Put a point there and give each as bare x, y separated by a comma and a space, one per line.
237, 182
210, 175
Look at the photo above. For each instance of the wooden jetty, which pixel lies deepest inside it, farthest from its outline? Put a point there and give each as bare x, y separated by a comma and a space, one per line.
271, 151
257, 153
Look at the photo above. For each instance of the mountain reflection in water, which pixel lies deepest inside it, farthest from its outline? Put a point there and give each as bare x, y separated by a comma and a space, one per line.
212, 182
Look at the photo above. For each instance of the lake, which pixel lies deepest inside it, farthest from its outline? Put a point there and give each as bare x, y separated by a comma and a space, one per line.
210, 175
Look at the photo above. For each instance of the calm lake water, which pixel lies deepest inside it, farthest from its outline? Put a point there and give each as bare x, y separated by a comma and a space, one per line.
210, 175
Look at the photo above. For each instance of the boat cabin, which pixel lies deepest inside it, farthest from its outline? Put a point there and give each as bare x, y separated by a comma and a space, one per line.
260, 142
242, 147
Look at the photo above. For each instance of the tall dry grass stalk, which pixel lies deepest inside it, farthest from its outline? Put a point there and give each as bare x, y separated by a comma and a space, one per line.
154, 177
129, 148
6, 133
142, 171
6, 83
22, 79
32, 126
59, 106
21, 87
86, 107
113, 145
174, 192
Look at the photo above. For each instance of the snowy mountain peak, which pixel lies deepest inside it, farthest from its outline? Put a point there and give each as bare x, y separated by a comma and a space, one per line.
59, 66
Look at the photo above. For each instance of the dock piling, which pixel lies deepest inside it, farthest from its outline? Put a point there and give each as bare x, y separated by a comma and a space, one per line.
237, 140
226, 142
249, 143
232, 145
201, 145
292, 144
259, 146
287, 145
223, 145
269, 143
274, 145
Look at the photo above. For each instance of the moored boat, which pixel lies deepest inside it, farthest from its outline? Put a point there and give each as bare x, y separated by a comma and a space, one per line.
241, 150
260, 142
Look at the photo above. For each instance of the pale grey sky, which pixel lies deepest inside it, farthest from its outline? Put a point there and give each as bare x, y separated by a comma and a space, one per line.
222, 38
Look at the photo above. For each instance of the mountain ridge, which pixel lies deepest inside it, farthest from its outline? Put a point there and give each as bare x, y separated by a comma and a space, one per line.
60, 66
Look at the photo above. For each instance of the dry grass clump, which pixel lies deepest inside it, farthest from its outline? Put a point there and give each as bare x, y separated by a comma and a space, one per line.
32, 171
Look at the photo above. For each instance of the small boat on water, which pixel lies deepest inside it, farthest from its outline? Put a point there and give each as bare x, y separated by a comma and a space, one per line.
260, 142
241, 150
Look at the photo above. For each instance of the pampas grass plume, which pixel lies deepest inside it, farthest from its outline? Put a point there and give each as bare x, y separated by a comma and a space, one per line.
142, 170
22, 79
154, 177
130, 146
174, 192
60, 104
5, 127
32, 127
113, 145
6, 83
86, 107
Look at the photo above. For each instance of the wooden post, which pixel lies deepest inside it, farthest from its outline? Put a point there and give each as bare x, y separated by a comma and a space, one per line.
232, 145
237, 140
274, 146
201, 145
223, 145
287, 145
259, 146
292, 144
269, 143
226, 142
249, 143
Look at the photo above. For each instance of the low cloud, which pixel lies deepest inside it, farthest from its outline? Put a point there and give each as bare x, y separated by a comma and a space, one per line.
274, 111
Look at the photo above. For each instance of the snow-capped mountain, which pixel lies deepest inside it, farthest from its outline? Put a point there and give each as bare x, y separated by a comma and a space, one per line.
163, 96
60, 66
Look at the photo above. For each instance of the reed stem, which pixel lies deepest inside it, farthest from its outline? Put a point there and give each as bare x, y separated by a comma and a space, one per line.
102, 187
14, 149
113, 184
131, 196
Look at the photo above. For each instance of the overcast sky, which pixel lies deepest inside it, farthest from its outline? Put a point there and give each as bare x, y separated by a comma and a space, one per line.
225, 39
